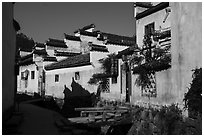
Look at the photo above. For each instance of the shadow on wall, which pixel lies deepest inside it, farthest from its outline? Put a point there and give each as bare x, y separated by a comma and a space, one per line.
75, 98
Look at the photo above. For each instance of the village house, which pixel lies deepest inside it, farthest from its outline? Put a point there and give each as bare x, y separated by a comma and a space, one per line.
173, 24
31, 75
94, 45
54, 64
151, 20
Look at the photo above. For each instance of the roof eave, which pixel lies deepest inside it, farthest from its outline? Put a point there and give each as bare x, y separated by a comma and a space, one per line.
152, 10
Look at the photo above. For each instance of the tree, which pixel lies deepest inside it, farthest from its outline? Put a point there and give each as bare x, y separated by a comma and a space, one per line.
100, 79
24, 43
150, 59
193, 98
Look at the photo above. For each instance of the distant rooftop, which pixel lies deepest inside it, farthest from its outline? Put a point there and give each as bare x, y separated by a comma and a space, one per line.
100, 48
70, 37
66, 54
40, 52
51, 59
40, 45
85, 28
117, 39
56, 43
75, 61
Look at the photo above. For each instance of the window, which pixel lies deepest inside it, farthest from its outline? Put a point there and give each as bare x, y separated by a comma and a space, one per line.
114, 80
149, 29
32, 74
77, 76
150, 89
22, 75
56, 78
105, 86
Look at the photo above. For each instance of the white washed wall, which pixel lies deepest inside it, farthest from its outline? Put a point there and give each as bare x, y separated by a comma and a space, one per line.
73, 46
24, 53
32, 83
163, 78
186, 46
186, 49
65, 78
115, 89
158, 18
115, 48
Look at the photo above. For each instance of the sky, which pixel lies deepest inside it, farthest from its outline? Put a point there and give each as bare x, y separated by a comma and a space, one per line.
41, 21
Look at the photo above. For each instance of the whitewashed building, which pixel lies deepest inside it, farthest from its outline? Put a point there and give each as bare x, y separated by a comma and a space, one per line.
31, 74
77, 56
181, 23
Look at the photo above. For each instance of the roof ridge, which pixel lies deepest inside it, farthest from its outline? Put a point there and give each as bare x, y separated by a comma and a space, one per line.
72, 37
116, 35
56, 40
74, 61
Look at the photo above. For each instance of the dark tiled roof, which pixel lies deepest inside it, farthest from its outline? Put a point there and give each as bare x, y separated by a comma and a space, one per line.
26, 60
70, 37
79, 60
24, 43
117, 39
40, 52
56, 43
40, 45
94, 47
88, 27
86, 33
26, 57
47, 58
67, 54
127, 51
85, 27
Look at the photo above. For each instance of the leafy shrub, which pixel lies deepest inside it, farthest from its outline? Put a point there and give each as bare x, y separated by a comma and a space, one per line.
193, 98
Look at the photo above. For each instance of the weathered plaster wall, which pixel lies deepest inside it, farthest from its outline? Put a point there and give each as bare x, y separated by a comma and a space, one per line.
65, 78
32, 83
158, 18
115, 48
186, 51
8, 61
73, 46
163, 78
90, 39
115, 88
186, 45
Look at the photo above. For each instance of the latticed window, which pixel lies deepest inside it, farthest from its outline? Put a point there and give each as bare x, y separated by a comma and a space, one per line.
150, 89
105, 86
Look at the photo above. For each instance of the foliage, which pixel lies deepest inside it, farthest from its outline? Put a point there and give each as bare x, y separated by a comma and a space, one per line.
167, 120
193, 98
150, 61
24, 42
100, 79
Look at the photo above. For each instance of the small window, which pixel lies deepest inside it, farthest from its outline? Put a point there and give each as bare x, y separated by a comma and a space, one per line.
32, 74
22, 75
149, 29
56, 78
77, 76
114, 80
